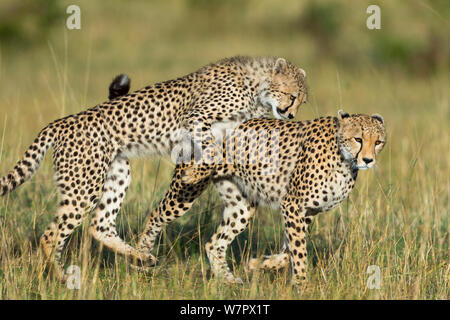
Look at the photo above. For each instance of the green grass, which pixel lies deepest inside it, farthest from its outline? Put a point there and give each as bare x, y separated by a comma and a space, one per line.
396, 218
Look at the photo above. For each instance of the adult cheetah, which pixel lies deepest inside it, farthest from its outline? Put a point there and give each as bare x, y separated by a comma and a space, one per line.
120, 86
301, 167
91, 148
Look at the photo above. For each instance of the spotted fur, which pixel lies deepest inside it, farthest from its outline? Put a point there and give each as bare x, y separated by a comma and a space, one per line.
301, 167
91, 148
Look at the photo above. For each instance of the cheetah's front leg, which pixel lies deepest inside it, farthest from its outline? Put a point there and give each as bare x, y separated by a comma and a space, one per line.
208, 152
295, 230
275, 261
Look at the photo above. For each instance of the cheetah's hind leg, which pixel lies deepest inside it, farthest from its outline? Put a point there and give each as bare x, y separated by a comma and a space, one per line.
77, 200
103, 224
236, 215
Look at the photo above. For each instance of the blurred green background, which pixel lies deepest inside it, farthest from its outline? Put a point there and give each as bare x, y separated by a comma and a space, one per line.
157, 40
397, 217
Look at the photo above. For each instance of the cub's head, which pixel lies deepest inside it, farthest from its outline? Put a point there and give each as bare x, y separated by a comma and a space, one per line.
286, 91
361, 138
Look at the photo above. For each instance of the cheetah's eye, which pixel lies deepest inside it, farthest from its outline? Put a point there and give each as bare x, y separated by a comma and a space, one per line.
293, 97
359, 140
378, 142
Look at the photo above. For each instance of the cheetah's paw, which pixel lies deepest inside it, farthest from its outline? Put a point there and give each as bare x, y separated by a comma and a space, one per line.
193, 175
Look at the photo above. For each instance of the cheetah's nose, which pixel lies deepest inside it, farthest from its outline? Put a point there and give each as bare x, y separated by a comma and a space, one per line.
367, 160
291, 116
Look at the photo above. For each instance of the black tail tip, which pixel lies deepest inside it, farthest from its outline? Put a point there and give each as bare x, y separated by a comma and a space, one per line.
119, 86
3, 191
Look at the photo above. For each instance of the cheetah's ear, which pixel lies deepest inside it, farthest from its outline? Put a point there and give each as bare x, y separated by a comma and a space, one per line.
302, 72
378, 117
342, 114
280, 66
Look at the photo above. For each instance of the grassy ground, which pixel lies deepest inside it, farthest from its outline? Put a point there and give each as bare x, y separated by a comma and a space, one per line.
397, 218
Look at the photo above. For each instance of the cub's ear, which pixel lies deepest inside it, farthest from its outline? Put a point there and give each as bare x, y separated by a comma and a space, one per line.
302, 72
378, 117
280, 66
342, 114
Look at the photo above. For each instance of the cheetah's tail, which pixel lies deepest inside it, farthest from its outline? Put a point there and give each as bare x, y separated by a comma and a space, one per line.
29, 164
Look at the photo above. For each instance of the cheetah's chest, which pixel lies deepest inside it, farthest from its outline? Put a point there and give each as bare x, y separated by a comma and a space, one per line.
335, 188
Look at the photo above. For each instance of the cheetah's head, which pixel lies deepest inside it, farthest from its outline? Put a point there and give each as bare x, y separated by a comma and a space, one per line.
361, 138
286, 90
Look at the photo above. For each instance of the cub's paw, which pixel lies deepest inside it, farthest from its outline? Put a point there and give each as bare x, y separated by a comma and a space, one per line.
229, 278
142, 261
254, 264
195, 174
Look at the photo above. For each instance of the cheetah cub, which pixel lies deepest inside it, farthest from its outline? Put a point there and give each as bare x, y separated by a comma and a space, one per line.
301, 167
91, 149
